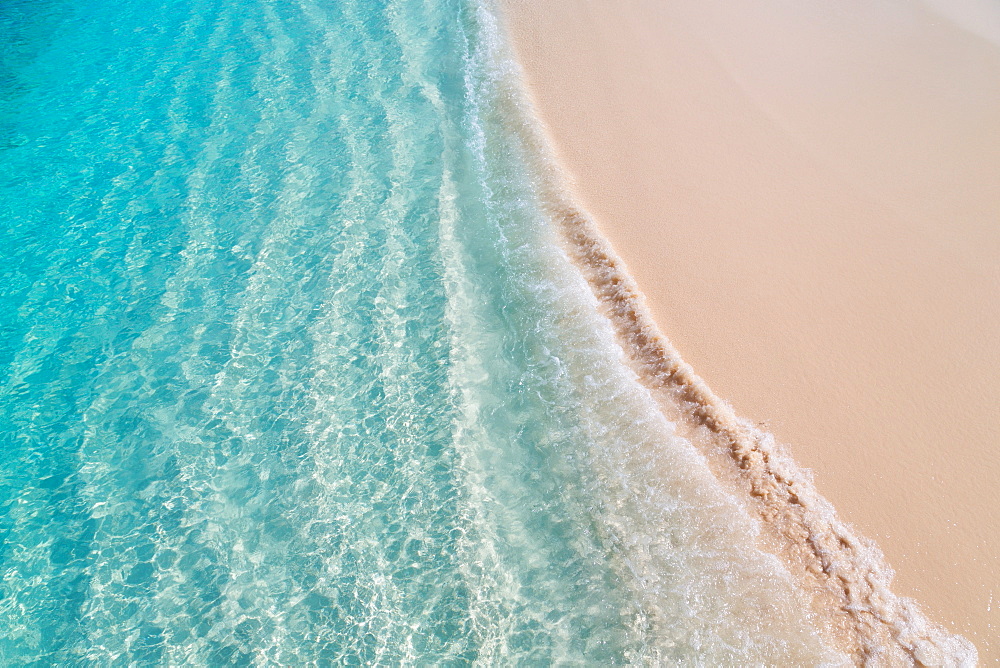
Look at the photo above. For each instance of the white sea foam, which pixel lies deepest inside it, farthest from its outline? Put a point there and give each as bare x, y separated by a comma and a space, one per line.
846, 575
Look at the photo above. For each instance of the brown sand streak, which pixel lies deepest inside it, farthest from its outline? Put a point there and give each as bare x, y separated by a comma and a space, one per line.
845, 574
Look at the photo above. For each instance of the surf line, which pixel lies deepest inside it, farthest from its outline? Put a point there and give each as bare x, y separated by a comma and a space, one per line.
845, 574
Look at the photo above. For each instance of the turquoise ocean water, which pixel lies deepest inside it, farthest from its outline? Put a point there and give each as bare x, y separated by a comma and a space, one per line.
293, 369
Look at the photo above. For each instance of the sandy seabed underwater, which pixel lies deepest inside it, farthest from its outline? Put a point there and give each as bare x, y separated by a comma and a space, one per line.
295, 367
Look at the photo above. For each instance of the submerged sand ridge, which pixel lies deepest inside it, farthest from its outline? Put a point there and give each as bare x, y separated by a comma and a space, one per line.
807, 196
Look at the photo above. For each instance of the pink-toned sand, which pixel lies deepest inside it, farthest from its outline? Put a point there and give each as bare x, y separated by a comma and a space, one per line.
808, 193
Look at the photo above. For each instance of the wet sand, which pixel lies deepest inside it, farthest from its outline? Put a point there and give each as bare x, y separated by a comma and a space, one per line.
809, 197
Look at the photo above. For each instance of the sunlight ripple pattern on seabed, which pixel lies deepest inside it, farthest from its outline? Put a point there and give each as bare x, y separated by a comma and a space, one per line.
293, 368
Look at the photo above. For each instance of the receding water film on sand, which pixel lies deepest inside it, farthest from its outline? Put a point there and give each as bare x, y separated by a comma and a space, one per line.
308, 356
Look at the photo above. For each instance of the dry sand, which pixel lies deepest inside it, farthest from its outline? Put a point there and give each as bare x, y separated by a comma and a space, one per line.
808, 193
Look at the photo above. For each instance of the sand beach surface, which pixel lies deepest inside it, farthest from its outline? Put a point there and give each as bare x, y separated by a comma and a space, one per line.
808, 194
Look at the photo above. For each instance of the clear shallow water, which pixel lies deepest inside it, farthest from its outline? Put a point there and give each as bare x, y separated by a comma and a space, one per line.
292, 367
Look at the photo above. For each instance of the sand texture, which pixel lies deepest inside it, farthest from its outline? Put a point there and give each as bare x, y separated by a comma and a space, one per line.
808, 195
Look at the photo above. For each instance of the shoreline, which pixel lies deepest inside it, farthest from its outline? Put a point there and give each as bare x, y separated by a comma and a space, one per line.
844, 575
776, 486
